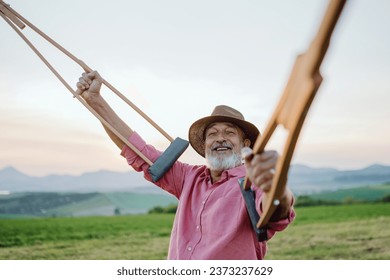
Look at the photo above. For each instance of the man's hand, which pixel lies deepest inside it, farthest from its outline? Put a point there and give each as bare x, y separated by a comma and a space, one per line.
89, 85
260, 168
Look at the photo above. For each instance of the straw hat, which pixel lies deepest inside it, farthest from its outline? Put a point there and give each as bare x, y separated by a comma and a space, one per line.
221, 113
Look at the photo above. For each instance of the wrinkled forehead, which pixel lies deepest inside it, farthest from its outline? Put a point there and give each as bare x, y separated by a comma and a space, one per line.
221, 125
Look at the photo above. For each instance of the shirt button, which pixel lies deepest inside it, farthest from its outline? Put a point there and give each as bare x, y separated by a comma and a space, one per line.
189, 248
203, 202
197, 227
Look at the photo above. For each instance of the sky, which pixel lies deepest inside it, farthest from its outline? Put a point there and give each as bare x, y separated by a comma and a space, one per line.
177, 60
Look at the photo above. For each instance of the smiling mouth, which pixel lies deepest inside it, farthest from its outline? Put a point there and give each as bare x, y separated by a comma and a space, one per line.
221, 149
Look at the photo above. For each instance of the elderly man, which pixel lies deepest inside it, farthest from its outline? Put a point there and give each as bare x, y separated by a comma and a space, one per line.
211, 221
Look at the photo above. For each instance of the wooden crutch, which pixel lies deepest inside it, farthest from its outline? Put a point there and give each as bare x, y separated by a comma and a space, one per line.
170, 155
290, 112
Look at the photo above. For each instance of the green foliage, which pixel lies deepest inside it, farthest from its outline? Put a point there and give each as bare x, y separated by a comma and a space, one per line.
170, 209
386, 198
305, 200
156, 210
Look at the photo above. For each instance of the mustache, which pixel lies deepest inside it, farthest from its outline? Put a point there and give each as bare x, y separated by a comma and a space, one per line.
221, 145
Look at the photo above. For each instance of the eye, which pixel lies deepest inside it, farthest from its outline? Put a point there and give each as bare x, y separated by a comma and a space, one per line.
230, 132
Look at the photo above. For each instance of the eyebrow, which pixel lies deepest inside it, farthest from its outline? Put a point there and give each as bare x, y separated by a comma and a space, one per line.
227, 124
230, 125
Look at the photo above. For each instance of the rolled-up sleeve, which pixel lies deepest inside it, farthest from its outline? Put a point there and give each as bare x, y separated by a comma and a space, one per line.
173, 179
274, 226
280, 225
133, 159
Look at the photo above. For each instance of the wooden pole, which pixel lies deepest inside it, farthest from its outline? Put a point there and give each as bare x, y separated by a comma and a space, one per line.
293, 106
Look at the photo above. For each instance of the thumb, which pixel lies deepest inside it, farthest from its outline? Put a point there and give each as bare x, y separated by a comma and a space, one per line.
96, 82
247, 155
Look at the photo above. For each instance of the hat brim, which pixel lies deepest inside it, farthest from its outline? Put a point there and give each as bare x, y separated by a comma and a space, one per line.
197, 130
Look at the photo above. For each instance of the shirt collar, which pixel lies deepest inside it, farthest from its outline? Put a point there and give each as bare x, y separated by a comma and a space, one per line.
238, 171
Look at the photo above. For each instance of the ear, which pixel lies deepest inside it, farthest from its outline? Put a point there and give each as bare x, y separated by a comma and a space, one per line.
247, 143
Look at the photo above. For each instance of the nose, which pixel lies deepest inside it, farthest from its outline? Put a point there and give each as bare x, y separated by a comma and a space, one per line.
221, 136
220, 141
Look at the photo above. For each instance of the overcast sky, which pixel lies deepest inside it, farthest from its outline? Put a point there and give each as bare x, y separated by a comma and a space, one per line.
177, 60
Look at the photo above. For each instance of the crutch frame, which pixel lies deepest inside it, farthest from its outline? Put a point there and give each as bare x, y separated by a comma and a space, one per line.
291, 112
156, 169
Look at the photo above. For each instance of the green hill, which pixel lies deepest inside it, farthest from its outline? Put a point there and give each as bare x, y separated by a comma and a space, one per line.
80, 204
44, 204
366, 194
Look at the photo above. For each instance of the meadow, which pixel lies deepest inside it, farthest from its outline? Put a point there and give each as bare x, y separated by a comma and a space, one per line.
356, 231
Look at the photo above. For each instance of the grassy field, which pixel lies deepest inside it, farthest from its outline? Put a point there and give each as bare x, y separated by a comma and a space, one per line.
360, 231
347, 232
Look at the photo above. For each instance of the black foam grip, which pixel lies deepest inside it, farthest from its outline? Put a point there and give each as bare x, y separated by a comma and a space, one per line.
249, 198
168, 158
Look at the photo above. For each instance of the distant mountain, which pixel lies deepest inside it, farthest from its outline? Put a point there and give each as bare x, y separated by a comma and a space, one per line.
113, 193
301, 179
10, 175
306, 180
100, 181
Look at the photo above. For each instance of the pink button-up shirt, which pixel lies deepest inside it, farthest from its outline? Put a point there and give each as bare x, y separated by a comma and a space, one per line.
211, 221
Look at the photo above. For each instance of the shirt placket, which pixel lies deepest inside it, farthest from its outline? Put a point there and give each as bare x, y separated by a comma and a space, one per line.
191, 247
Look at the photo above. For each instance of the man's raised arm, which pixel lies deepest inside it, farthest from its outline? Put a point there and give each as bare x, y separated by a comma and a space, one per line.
89, 89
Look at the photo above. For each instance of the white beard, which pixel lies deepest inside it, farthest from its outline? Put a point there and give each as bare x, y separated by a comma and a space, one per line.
220, 163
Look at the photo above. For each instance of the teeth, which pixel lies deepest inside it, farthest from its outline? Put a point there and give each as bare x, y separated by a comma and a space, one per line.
222, 149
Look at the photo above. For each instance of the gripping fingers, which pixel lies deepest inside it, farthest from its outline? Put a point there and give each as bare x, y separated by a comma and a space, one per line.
264, 180
84, 84
80, 88
87, 77
263, 169
89, 82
